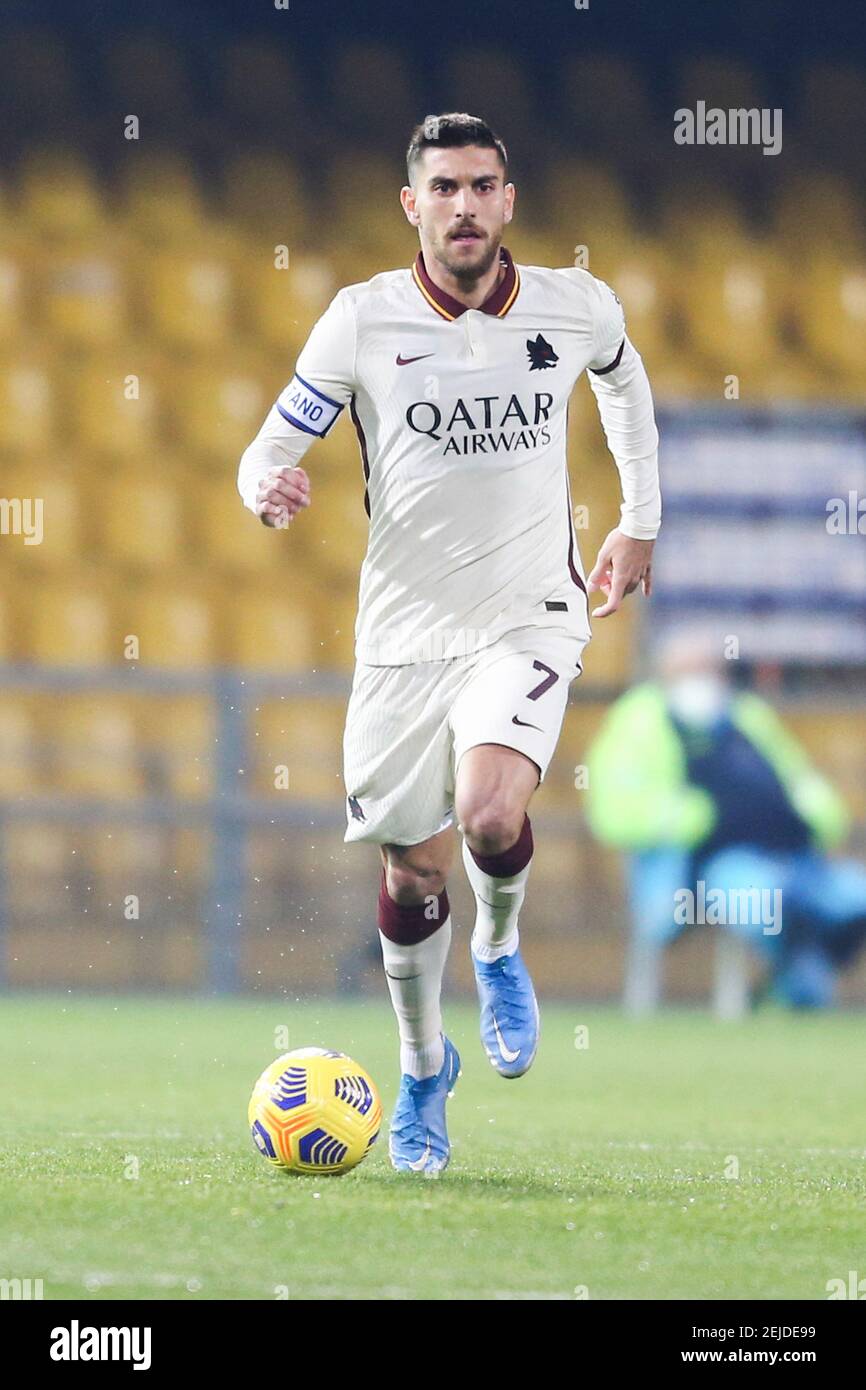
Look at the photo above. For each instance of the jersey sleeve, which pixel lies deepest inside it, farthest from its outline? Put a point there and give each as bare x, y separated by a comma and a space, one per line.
308, 407
609, 322
622, 391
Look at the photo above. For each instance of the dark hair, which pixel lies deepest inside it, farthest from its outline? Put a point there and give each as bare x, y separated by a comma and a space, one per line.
452, 131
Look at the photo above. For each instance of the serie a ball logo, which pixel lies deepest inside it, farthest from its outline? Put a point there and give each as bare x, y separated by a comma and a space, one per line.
314, 1111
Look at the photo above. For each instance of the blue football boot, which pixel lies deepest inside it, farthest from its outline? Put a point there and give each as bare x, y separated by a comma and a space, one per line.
418, 1141
509, 1013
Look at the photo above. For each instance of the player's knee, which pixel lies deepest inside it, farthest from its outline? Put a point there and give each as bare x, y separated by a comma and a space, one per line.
492, 828
409, 883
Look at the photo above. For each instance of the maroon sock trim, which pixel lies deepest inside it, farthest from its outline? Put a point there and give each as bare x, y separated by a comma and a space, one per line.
408, 923
509, 861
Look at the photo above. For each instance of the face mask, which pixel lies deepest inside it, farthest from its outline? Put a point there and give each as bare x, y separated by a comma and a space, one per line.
698, 700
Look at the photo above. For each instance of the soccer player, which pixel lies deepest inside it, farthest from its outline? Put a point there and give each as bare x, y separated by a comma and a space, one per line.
473, 609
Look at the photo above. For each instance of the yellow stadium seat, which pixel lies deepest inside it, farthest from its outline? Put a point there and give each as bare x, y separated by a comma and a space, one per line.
188, 296
280, 303
264, 195
18, 764
830, 305
127, 859
82, 296
588, 203
697, 218
640, 275
174, 626
142, 519
218, 406
49, 495
162, 202
38, 865
60, 198
69, 624
27, 402
236, 542
178, 734
111, 401
819, 209
336, 607
95, 751
15, 268
732, 302
298, 741
336, 528
272, 629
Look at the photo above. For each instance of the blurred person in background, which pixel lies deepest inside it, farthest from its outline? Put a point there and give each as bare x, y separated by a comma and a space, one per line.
707, 791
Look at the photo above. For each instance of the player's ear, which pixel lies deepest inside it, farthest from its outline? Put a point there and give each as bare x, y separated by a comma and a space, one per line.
407, 198
510, 194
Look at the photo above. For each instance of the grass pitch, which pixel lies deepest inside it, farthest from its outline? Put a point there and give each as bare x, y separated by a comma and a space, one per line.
607, 1172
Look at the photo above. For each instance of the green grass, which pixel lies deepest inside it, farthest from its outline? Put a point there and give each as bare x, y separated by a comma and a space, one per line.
604, 1167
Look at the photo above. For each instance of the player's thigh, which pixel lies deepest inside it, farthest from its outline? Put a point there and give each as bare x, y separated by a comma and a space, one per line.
493, 788
507, 718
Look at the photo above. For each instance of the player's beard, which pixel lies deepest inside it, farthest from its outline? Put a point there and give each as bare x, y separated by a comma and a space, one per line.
470, 274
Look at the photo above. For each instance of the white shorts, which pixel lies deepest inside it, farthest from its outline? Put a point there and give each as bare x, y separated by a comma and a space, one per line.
407, 727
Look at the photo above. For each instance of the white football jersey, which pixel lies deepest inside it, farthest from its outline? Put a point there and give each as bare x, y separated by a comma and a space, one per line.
461, 420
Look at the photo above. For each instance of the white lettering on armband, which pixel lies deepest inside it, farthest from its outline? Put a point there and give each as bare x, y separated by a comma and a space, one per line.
308, 408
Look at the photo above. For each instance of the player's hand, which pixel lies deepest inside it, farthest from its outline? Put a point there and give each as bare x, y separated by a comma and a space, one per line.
622, 564
281, 495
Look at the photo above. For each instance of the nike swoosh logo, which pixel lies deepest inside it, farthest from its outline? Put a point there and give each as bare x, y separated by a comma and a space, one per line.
404, 361
420, 1163
505, 1052
524, 724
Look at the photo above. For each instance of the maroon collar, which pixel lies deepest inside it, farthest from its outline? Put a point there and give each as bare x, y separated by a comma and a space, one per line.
498, 302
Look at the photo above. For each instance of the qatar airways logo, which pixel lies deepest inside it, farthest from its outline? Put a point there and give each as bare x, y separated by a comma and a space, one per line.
484, 424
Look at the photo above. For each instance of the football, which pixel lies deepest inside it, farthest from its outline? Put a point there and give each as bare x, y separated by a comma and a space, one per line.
314, 1111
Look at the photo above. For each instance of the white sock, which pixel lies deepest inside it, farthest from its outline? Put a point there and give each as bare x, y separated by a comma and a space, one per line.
414, 975
498, 903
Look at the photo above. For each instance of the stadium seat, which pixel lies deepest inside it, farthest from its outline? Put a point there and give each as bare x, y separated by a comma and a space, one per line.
188, 296
336, 606
69, 623
304, 736
264, 195
640, 274
15, 278
272, 628
237, 543
279, 305
161, 203
18, 766
27, 402
174, 624
111, 403
60, 200
218, 405
830, 308
51, 491
819, 208
588, 206
40, 868
177, 739
731, 299
336, 528
95, 751
142, 519
82, 296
